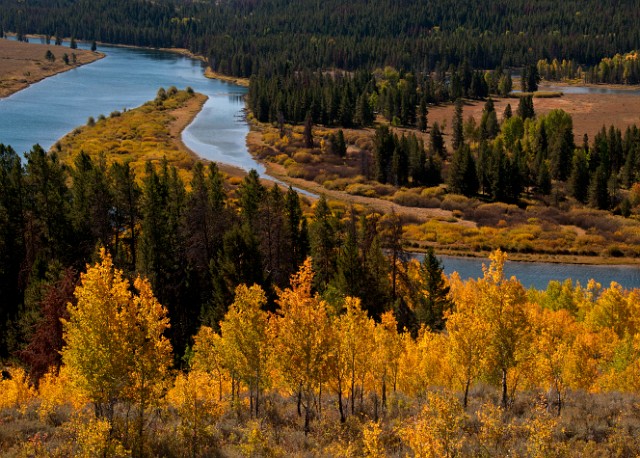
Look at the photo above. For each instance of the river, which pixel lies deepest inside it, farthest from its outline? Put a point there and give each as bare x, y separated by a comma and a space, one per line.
128, 77
539, 274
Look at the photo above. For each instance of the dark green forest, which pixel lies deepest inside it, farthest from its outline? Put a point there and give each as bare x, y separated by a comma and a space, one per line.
242, 38
195, 242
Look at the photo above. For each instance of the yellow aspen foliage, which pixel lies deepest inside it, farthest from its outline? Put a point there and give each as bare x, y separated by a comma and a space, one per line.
115, 348
371, 440
55, 391
410, 381
502, 305
496, 436
245, 339
588, 358
355, 333
540, 441
424, 363
555, 332
623, 374
15, 391
468, 332
92, 438
301, 338
152, 352
258, 442
434, 367
388, 351
617, 310
197, 403
208, 356
437, 431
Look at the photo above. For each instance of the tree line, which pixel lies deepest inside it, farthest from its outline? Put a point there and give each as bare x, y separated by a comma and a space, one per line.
315, 363
244, 38
619, 69
353, 100
195, 242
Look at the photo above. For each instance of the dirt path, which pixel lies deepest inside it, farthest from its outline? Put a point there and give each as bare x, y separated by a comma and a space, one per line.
22, 64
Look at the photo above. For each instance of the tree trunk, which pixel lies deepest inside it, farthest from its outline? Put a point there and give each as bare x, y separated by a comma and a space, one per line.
505, 396
384, 394
466, 394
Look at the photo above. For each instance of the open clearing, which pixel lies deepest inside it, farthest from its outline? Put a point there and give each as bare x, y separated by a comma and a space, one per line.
589, 111
22, 64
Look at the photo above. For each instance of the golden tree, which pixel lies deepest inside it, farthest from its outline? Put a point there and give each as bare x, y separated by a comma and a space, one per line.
467, 331
244, 335
302, 339
500, 310
115, 348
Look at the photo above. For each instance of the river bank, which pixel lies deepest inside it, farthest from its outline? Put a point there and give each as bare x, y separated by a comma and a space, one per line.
23, 64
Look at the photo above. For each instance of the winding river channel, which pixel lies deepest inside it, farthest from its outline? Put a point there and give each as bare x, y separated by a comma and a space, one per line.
128, 77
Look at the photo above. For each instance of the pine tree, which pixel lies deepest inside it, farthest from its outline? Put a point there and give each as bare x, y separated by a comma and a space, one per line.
422, 115
579, 179
525, 108
323, 243
434, 303
308, 131
457, 136
463, 178
436, 141
489, 126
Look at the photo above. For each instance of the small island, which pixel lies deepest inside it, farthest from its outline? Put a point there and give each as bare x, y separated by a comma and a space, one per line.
22, 64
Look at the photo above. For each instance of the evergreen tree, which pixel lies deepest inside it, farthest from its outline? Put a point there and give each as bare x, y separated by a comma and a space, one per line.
12, 236
463, 178
125, 214
457, 135
323, 243
308, 132
507, 114
598, 189
384, 146
579, 178
422, 115
436, 141
434, 303
525, 108
544, 179
489, 126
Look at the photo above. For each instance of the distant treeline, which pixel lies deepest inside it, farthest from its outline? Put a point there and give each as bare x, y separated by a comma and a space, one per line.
242, 38
348, 100
619, 69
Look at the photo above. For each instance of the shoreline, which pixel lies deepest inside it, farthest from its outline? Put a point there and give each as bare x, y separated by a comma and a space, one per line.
254, 143
30, 69
277, 172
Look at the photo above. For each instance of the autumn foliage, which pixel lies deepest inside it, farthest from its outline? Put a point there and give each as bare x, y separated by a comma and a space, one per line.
513, 373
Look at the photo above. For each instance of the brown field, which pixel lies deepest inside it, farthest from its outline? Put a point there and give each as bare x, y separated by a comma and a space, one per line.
589, 111
22, 64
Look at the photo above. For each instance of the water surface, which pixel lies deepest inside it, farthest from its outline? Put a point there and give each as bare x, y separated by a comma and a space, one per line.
128, 77
125, 79
539, 274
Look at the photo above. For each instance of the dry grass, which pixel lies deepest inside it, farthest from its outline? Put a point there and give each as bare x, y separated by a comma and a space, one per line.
148, 133
22, 64
589, 111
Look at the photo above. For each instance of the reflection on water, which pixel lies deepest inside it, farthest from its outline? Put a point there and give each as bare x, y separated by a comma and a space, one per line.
598, 90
